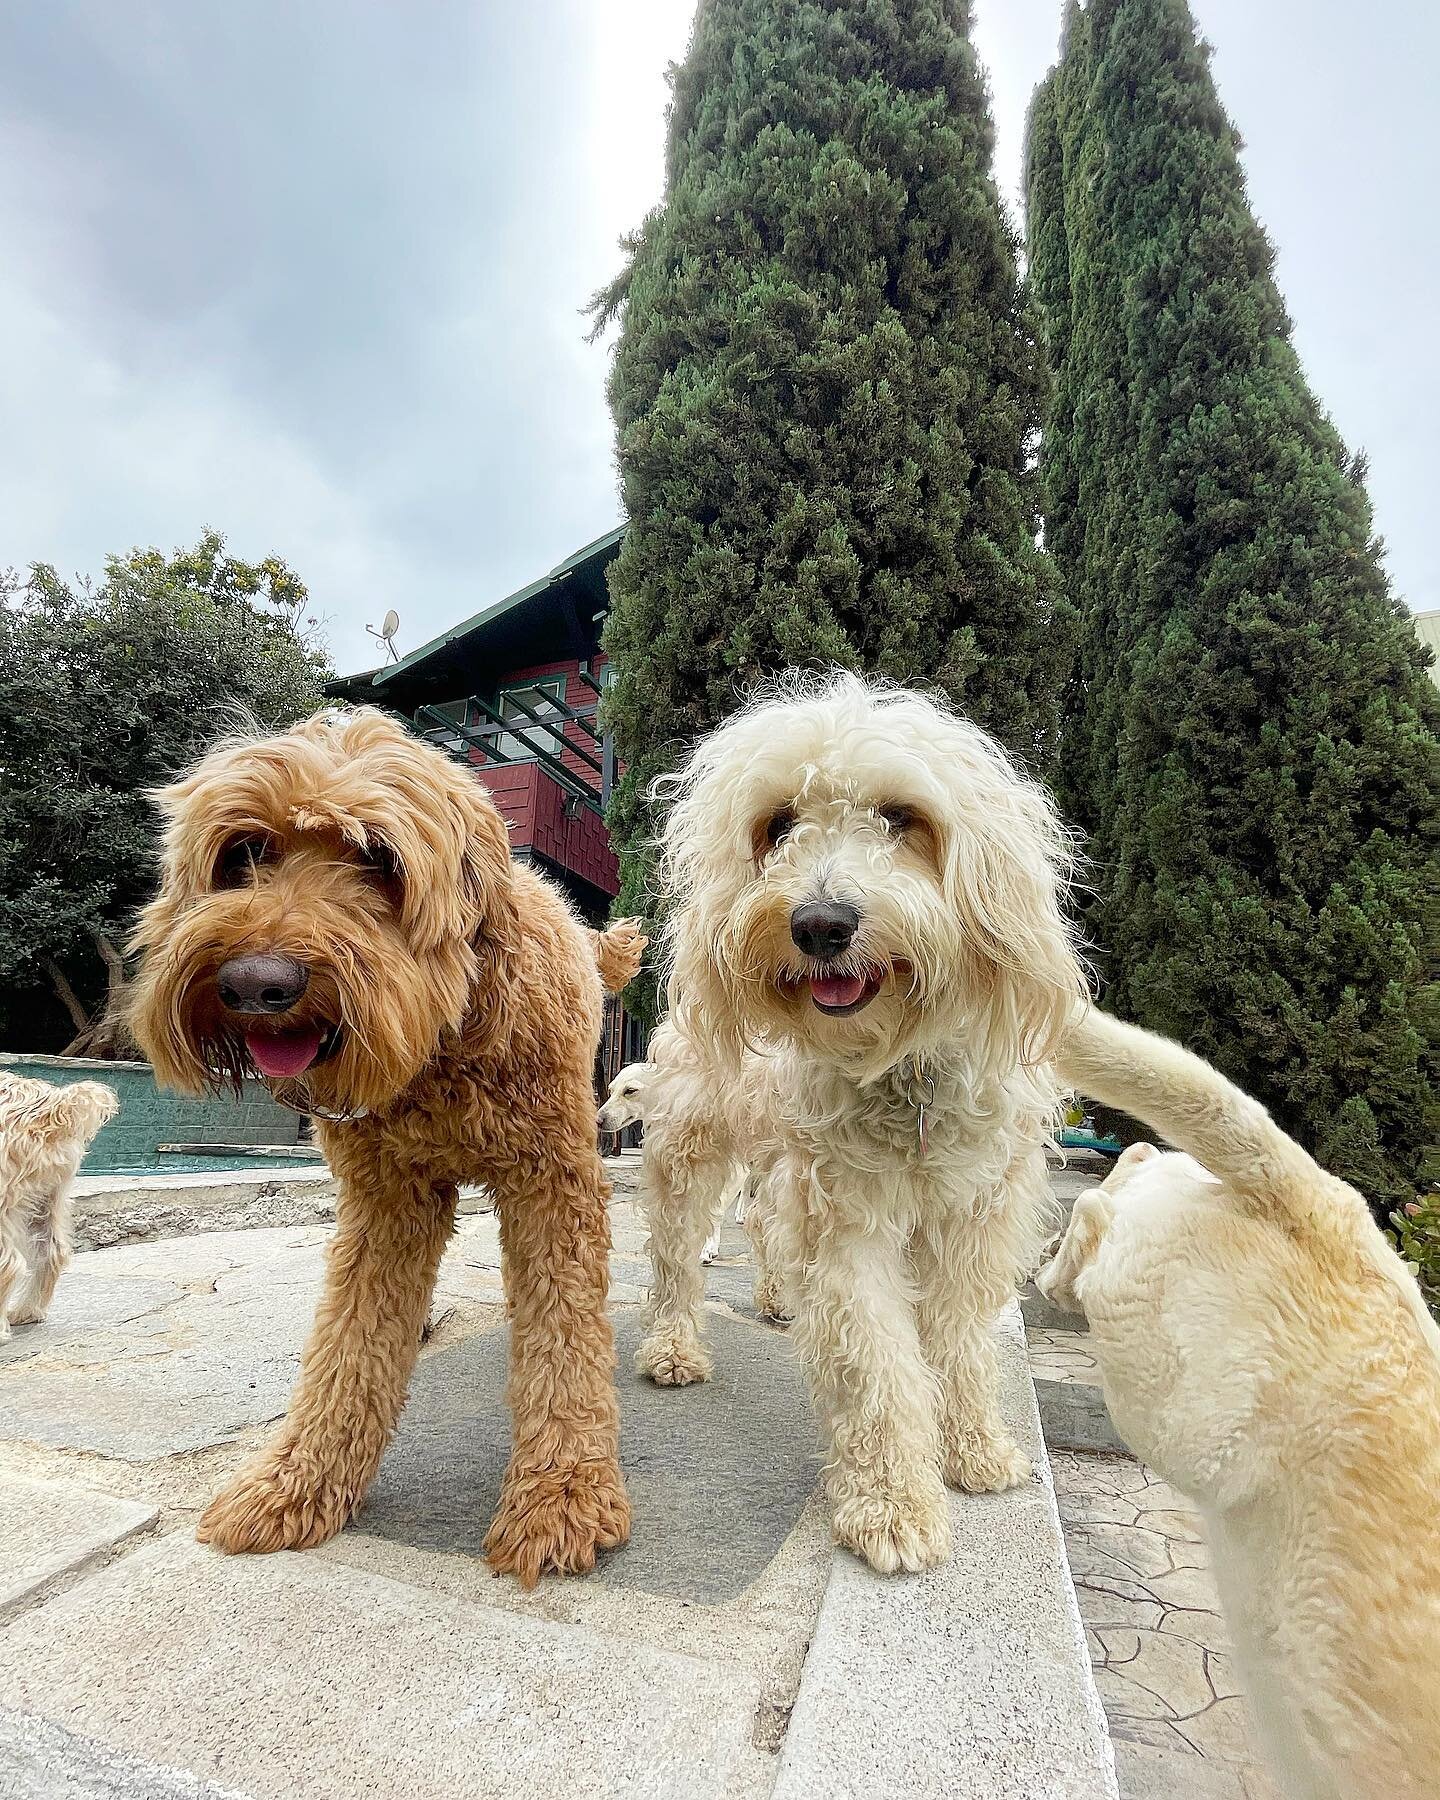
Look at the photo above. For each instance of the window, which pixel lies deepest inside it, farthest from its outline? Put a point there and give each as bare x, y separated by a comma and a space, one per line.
543, 698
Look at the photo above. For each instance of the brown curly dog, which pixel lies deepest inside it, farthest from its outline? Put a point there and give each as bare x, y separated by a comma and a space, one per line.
339, 913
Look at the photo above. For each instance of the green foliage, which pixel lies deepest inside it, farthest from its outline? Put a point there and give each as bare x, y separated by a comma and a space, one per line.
1417, 1238
1250, 735
825, 390
104, 694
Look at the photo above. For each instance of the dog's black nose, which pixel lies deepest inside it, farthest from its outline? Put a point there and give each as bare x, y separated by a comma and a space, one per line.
824, 928
261, 984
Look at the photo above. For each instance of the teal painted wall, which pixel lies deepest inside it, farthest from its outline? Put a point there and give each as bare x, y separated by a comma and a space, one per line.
148, 1117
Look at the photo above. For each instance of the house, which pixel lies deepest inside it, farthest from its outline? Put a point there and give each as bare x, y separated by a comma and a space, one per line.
515, 692
1427, 629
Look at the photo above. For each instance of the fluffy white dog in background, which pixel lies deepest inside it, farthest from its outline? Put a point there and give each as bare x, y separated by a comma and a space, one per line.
44, 1132
1263, 1347
869, 899
701, 1137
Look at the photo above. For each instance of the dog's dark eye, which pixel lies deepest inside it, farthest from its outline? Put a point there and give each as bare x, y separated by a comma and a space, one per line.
383, 866
779, 826
241, 857
898, 818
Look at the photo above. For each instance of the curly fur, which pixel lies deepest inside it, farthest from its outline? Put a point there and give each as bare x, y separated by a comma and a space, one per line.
461, 1006
44, 1132
700, 1143
896, 1254
1265, 1349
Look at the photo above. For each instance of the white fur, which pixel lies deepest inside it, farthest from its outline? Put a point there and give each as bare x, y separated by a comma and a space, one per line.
699, 1139
896, 1255
44, 1131
1263, 1347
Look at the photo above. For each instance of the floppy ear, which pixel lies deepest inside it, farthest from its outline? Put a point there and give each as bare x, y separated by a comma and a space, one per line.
1127, 1162
700, 1004
1004, 875
1084, 1236
488, 886
487, 875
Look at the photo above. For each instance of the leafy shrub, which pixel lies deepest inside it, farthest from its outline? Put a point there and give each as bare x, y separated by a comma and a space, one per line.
1417, 1237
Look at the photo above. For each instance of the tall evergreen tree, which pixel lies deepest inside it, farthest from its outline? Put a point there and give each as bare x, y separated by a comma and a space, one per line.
1250, 735
826, 389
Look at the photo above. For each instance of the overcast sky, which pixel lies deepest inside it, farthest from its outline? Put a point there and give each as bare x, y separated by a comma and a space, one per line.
313, 274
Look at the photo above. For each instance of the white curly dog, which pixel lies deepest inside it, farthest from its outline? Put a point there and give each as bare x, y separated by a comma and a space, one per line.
44, 1132
695, 1165
1268, 1352
868, 933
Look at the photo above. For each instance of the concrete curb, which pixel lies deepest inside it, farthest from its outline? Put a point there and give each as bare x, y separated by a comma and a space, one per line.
132, 1209
972, 1680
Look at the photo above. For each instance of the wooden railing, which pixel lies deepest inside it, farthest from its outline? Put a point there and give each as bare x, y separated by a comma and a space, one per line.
547, 738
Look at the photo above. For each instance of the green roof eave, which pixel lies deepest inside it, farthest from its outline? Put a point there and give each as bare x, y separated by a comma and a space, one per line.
409, 665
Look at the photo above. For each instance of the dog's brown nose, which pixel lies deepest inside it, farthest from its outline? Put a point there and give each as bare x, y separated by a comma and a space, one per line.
261, 984
824, 928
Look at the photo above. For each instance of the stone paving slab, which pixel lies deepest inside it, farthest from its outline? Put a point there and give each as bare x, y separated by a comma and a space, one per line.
54, 1526
289, 1677
392, 1661
132, 1366
933, 1685
40, 1761
1159, 1646
718, 1473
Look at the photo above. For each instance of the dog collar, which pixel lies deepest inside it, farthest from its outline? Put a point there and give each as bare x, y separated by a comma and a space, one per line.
920, 1093
293, 1103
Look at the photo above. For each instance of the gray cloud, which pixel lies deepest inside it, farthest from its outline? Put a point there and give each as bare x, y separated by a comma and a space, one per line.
313, 274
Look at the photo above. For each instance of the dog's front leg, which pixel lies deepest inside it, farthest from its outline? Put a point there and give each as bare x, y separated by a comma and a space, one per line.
49, 1251
965, 1271
563, 1497
679, 1196
855, 1329
380, 1269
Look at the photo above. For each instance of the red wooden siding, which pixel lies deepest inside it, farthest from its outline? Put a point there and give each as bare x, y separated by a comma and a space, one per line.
533, 802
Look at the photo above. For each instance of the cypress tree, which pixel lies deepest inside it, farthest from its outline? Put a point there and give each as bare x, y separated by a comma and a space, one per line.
1250, 735
826, 389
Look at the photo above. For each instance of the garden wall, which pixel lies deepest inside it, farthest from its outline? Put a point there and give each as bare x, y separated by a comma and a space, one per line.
149, 1118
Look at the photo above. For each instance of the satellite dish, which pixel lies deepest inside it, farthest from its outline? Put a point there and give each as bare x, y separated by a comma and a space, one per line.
389, 625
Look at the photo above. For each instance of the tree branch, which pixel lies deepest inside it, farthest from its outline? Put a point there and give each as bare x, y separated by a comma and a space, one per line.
68, 997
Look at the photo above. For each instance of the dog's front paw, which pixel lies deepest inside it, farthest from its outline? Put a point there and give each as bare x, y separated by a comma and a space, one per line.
554, 1521
983, 1464
893, 1534
26, 1315
673, 1358
770, 1302
271, 1506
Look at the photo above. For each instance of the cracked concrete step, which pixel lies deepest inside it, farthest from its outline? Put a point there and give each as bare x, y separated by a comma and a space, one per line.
295, 1676
971, 1681
52, 1527
41, 1761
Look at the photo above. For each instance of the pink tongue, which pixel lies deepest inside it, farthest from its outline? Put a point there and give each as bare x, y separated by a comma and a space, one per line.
836, 990
285, 1053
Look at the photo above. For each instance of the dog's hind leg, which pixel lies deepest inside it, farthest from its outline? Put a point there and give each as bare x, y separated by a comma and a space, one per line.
12, 1270
563, 1497
49, 1251
679, 1197
759, 1222
302, 1486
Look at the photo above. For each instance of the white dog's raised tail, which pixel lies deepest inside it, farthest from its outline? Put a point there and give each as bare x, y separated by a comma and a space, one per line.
1195, 1108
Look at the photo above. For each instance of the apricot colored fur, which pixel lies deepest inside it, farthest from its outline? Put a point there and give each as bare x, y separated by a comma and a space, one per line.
469, 1004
